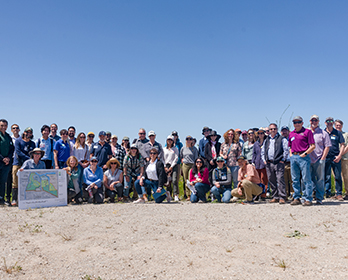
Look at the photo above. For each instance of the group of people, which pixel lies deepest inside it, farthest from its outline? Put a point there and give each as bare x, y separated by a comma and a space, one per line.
251, 165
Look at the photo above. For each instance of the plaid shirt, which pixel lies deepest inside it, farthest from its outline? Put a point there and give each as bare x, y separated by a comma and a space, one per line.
119, 153
133, 165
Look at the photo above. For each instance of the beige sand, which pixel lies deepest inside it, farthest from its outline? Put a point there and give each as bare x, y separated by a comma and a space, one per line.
175, 241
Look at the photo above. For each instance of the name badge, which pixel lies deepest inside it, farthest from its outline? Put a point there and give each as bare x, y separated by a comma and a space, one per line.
293, 138
95, 147
63, 145
223, 177
333, 137
42, 145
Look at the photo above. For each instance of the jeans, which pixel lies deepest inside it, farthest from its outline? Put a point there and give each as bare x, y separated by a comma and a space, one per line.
225, 192
201, 189
317, 172
234, 171
4, 170
302, 166
336, 167
128, 185
148, 185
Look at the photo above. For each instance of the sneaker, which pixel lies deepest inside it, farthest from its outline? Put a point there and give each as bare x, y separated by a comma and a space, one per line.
246, 202
140, 200
234, 199
345, 197
176, 198
339, 198
144, 198
296, 202
14, 203
307, 203
7, 203
90, 200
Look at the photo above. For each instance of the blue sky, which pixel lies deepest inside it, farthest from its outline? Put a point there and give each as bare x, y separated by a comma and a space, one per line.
164, 65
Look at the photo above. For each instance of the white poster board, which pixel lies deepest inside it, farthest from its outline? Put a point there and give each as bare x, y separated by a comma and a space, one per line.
42, 188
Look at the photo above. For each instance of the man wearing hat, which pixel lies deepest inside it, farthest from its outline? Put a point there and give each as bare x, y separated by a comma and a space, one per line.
153, 144
90, 138
205, 131
333, 159
344, 159
301, 143
6, 154
35, 161
244, 136
101, 150
222, 181
318, 157
248, 181
23, 146
274, 155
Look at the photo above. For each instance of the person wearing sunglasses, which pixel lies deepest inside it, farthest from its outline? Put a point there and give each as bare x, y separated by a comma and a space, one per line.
53, 134
35, 161
23, 146
90, 140
46, 144
188, 155
201, 145
93, 182
318, 157
333, 160
74, 180
212, 151
199, 181
274, 155
247, 150
153, 144
177, 168
140, 142
301, 143
113, 179
61, 150
125, 144
222, 180
153, 179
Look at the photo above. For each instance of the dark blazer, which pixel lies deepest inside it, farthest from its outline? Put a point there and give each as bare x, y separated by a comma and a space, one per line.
161, 174
207, 150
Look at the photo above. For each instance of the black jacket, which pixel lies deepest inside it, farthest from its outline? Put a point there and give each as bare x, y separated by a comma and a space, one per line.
161, 174
278, 148
207, 150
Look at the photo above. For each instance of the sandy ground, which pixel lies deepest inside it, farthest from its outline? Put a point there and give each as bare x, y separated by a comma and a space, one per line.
175, 241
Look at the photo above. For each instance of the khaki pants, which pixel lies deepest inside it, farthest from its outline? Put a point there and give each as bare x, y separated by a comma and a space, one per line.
185, 171
15, 169
249, 189
344, 165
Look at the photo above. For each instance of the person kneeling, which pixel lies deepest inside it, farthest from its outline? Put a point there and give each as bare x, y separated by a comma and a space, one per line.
93, 180
199, 181
249, 184
155, 178
222, 180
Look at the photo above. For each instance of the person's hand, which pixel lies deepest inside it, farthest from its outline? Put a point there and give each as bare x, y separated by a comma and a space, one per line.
265, 162
57, 167
95, 186
147, 159
105, 167
225, 157
159, 190
302, 155
199, 180
141, 182
192, 183
282, 161
240, 192
337, 159
6, 160
217, 185
21, 169
166, 169
211, 162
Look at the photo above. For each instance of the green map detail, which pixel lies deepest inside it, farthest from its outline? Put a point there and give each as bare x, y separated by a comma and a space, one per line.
41, 183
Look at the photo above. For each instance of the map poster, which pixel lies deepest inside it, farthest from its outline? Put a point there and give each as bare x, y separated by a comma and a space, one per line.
42, 188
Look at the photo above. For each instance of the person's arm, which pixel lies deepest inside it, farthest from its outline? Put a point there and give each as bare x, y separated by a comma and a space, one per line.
161, 174
285, 150
205, 177
308, 151
342, 148
263, 158
175, 160
19, 152
120, 179
325, 152
100, 174
55, 154
228, 181
105, 182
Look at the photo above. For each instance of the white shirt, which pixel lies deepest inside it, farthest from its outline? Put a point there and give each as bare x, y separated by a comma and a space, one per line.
81, 153
151, 171
171, 156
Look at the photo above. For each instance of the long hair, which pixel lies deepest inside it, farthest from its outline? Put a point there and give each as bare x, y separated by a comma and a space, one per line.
235, 136
194, 168
254, 138
76, 164
77, 143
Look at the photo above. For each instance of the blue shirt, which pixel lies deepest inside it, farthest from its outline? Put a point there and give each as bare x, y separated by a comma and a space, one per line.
30, 164
89, 177
46, 146
22, 149
63, 149
336, 138
102, 153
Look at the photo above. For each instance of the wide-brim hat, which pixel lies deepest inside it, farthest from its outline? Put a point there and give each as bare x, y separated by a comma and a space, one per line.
31, 153
205, 129
214, 133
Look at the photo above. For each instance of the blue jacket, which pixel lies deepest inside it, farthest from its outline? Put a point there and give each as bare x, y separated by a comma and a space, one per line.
201, 146
22, 150
89, 177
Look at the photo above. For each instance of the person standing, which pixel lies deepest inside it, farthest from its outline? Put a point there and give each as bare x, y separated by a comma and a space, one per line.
153, 144
141, 141
72, 139
61, 150
90, 138
212, 151
54, 129
287, 169
247, 149
318, 157
101, 150
201, 145
177, 168
46, 144
23, 146
274, 155
344, 159
333, 160
117, 150
6, 155
301, 143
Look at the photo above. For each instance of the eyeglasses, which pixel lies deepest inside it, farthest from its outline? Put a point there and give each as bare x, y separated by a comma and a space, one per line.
261, 133
199, 162
94, 161
297, 122
113, 162
329, 121
65, 133
273, 129
174, 134
82, 136
141, 133
153, 153
314, 120
251, 133
188, 139
126, 140
37, 154
91, 136
15, 127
